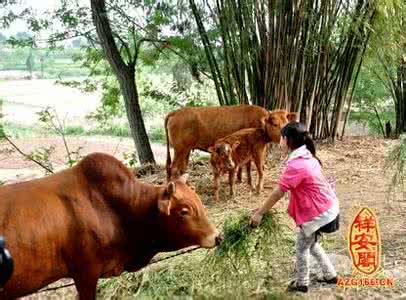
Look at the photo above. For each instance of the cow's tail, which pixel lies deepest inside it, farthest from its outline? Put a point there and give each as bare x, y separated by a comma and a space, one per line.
168, 152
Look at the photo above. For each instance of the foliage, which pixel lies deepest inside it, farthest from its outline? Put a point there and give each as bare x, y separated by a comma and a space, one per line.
395, 167
42, 155
51, 121
370, 94
369, 119
247, 262
130, 158
388, 52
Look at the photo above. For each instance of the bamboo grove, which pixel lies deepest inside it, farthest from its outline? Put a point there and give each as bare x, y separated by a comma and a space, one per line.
303, 55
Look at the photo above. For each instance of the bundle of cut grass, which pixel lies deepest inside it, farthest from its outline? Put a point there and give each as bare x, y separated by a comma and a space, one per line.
242, 242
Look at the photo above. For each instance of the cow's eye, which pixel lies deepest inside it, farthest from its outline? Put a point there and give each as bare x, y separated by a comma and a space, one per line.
184, 212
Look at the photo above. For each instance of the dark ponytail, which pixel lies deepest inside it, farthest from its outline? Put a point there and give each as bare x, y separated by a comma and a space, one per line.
297, 136
308, 141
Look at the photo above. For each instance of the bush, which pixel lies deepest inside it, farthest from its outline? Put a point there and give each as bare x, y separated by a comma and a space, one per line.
75, 130
121, 130
157, 134
369, 119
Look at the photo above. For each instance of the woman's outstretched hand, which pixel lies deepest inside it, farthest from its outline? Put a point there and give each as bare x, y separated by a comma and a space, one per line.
256, 218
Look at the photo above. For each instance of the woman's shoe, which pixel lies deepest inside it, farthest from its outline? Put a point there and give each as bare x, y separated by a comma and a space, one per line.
297, 288
329, 281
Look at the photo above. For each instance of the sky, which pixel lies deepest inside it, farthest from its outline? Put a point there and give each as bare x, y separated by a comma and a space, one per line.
39, 6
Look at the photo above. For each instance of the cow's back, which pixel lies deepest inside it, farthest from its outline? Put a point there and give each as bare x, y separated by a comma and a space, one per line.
200, 127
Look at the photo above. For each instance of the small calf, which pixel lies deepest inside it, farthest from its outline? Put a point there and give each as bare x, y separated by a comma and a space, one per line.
236, 150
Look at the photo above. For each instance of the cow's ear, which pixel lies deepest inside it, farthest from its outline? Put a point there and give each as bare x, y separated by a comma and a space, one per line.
184, 178
235, 145
211, 149
292, 116
164, 205
171, 188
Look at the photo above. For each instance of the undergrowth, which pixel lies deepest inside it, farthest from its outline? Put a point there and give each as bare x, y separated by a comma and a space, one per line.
395, 170
246, 265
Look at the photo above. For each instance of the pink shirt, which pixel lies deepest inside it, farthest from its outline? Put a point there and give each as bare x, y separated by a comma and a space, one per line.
310, 193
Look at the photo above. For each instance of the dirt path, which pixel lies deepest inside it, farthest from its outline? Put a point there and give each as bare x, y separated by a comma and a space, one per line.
358, 166
356, 163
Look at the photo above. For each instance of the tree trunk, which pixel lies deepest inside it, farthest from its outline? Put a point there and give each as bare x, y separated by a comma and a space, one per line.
401, 97
135, 119
379, 121
126, 77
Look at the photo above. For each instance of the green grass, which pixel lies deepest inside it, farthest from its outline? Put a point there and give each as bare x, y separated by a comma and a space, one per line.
19, 131
246, 265
75, 130
112, 130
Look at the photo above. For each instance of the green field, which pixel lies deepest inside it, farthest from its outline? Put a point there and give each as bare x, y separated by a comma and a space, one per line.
47, 63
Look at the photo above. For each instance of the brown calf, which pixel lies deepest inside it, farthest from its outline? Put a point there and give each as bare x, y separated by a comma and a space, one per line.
236, 150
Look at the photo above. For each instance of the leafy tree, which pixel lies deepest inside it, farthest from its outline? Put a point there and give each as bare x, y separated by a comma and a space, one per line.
121, 30
388, 46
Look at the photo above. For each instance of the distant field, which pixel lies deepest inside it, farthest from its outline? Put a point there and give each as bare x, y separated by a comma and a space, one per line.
46, 63
22, 99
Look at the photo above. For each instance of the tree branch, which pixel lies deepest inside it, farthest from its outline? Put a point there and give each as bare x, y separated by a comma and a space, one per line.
28, 157
379, 120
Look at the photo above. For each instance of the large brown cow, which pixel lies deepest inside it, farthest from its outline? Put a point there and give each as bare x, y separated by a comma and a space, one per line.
95, 220
199, 127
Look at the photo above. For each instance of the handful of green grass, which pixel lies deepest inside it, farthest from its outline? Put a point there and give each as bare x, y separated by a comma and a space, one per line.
242, 242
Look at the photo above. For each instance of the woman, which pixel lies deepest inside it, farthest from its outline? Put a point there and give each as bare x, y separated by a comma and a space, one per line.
313, 204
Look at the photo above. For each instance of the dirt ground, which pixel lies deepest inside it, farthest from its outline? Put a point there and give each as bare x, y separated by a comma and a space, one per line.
357, 165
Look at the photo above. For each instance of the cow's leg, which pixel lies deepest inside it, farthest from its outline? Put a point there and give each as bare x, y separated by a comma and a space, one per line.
249, 178
231, 179
180, 162
259, 162
239, 175
216, 185
86, 286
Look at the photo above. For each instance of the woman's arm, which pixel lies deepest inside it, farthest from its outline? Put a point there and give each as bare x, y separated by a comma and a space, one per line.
276, 195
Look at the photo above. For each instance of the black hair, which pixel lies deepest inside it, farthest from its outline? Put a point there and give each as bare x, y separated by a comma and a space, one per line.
297, 136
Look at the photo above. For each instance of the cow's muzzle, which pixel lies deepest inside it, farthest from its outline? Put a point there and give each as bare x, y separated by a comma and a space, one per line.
211, 240
229, 164
219, 239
